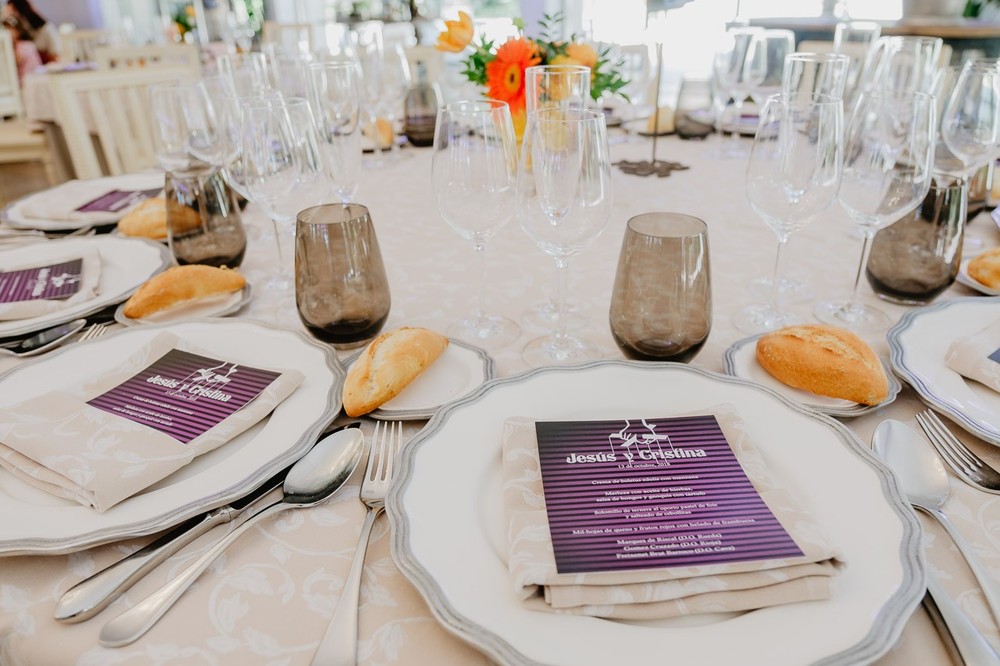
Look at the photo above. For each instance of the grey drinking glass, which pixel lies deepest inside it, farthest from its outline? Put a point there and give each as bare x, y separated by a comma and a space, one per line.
661, 304
341, 289
204, 225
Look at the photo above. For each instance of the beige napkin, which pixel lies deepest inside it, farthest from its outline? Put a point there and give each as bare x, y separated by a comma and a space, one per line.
90, 279
59, 443
62, 202
645, 594
970, 357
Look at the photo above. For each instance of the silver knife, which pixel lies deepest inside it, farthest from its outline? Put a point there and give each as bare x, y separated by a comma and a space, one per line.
95, 593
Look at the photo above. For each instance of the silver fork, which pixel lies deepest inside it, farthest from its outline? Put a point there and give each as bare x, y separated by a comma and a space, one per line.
970, 468
339, 646
95, 331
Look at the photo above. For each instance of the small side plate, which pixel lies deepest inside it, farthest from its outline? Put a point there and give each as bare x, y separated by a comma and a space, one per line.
969, 281
460, 370
740, 360
217, 306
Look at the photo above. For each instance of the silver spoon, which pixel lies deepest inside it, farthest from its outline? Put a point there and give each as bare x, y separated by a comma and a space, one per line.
924, 481
310, 481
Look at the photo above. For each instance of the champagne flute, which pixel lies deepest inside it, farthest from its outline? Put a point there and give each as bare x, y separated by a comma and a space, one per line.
283, 167
395, 85
335, 96
888, 163
369, 54
473, 174
564, 198
793, 174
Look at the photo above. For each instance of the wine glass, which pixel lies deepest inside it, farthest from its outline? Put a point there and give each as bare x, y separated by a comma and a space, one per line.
855, 39
970, 121
793, 174
888, 163
564, 199
335, 96
186, 131
902, 63
245, 73
473, 174
283, 169
369, 54
740, 66
776, 46
395, 85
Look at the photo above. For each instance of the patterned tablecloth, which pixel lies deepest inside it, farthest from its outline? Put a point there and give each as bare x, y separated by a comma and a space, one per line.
269, 598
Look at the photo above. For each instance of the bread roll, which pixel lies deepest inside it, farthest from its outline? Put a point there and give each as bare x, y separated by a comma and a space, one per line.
388, 365
824, 360
181, 284
985, 268
147, 220
383, 129
666, 121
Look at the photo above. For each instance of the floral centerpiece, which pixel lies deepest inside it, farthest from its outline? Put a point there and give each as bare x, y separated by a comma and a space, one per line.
501, 68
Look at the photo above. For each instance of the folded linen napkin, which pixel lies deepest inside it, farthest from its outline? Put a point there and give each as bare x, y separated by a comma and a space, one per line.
978, 356
35, 287
121, 432
655, 593
83, 201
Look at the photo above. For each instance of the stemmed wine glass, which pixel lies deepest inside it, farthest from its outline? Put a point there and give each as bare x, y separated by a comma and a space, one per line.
970, 121
395, 85
335, 96
564, 198
245, 73
369, 54
793, 174
473, 173
888, 163
776, 45
740, 66
186, 134
283, 169
855, 39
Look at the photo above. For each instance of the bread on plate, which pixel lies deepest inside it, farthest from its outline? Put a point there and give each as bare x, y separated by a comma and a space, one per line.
181, 285
985, 268
387, 365
824, 360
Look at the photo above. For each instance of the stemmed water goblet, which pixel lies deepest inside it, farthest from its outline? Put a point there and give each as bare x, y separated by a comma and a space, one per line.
245, 73
739, 67
793, 174
335, 97
395, 84
856, 40
776, 46
888, 163
564, 199
369, 56
473, 174
283, 168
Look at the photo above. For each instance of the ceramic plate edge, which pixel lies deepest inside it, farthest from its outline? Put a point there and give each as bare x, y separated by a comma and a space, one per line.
886, 627
235, 307
895, 386
180, 514
972, 283
897, 354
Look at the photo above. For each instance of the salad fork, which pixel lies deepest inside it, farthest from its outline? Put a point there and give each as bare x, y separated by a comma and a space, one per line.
339, 646
970, 468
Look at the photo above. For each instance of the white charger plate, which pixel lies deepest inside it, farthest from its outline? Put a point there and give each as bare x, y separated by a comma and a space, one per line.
969, 281
36, 522
917, 346
125, 264
461, 369
13, 213
740, 360
215, 306
449, 536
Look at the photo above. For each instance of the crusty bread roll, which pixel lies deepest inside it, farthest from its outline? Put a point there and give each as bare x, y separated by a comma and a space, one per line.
666, 121
824, 360
382, 128
985, 268
389, 363
181, 284
147, 220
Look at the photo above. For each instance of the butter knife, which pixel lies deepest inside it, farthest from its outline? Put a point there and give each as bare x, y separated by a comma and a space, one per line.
95, 593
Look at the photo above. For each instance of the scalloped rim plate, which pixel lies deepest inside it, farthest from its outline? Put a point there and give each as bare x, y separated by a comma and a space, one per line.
740, 361
917, 346
449, 539
969, 281
461, 369
36, 522
216, 306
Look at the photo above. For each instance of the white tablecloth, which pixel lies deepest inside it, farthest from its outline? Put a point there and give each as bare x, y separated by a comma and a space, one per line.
269, 599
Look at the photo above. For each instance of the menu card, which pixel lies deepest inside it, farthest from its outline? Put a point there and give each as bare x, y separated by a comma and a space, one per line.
184, 395
116, 200
651, 493
52, 282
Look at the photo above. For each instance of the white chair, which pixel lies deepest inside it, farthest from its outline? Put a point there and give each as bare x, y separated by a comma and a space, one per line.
19, 141
116, 103
10, 86
153, 55
79, 45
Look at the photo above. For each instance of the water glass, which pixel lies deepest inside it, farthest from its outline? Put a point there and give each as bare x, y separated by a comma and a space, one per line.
661, 304
204, 225
917, 257
341, 289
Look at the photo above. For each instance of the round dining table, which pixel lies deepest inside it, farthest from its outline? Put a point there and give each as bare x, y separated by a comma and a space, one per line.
270, 597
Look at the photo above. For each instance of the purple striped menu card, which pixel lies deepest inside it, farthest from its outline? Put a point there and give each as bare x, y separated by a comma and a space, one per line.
651, 493
54, 282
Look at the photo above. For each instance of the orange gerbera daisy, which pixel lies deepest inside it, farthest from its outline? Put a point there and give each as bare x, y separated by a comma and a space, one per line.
505, 73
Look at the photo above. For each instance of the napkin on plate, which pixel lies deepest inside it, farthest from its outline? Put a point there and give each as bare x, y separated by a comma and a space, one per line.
26, 293
978, 356
64, 444
646, 594
64, 202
